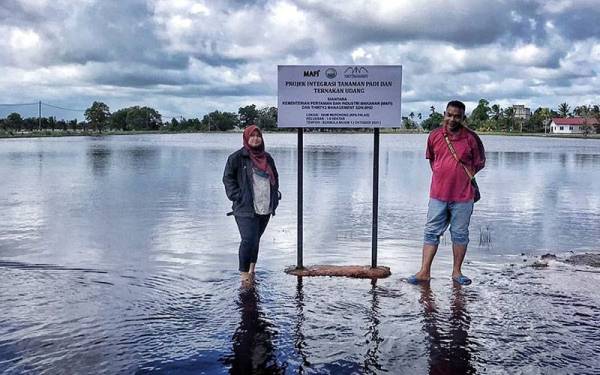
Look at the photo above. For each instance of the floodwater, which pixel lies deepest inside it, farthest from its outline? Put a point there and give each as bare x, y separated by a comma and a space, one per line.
116, 257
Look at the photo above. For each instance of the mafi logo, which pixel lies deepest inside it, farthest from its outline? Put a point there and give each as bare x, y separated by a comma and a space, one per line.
356, 72
311, 73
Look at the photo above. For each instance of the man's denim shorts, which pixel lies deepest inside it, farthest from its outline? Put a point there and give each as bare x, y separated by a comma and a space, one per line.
441, 214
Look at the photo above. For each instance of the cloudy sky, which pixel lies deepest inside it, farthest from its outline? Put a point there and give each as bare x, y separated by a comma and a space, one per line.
188, 57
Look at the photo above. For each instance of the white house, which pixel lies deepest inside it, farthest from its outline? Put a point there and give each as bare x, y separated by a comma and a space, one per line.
574, 125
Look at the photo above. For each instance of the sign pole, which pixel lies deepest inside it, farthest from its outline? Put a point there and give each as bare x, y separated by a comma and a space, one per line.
375, 196
300, 194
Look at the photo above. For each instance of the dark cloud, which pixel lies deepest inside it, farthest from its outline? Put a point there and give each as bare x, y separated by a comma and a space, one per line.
116, 31
459, 24
579, 24
15, 14
124, 77
199, 91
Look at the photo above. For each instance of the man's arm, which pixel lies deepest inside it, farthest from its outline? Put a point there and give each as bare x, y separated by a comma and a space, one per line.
429, 154
478, 154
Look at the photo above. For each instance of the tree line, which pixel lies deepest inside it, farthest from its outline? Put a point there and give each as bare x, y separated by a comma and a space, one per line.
494, 118
485, 117
99, 118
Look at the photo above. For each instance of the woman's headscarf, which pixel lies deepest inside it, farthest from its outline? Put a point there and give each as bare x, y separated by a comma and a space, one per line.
257, 154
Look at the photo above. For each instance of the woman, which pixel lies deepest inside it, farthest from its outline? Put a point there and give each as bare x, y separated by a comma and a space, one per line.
252, 184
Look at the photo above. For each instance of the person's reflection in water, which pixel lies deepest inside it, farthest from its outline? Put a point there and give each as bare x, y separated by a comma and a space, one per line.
253, 351
448, 348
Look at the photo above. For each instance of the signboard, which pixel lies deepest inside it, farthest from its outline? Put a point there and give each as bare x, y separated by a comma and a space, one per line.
339, 96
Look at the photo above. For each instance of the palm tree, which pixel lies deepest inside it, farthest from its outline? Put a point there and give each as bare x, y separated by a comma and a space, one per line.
563, 109
546, 117
496, 112
582, 110
432, 109
510, 115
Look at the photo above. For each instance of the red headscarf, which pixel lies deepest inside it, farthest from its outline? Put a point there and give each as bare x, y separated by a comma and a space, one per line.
257, 154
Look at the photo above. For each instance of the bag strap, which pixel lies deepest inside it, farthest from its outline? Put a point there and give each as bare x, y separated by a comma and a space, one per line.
453, 151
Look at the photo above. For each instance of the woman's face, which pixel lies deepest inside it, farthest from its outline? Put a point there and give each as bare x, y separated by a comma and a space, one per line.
255, 139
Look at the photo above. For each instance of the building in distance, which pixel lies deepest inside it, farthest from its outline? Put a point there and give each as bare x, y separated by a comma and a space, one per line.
522, 112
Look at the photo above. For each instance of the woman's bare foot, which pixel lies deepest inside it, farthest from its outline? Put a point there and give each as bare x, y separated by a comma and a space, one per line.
246, 278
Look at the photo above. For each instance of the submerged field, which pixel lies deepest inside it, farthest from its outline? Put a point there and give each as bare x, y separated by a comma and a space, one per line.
116, 257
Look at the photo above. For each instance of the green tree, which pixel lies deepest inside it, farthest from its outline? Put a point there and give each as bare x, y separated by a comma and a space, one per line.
480, 114
496, 111
30, 123
195, 124
14, 121
596, 116
173, 125
143, 118
408, 123
582, 110
587, 113
52, 122
118, 120
539, 120
433, 121
267, 118
98, 115
248, 115
62, 124
563, 109
221, 121
509, 117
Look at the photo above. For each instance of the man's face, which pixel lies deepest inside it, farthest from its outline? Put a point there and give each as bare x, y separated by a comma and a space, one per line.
255, 139
453, 117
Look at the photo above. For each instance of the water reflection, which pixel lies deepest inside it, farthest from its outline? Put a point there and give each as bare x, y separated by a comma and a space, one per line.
253, 349
99, 159
372, 362
142, 158
299, 339
448, 341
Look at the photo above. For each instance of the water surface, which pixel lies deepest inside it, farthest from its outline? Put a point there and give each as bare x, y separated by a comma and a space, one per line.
116, 257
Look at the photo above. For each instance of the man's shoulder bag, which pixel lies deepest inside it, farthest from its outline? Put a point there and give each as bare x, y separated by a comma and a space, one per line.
476, 193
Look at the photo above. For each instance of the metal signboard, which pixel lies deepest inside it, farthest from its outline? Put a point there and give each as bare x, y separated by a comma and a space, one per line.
339, 96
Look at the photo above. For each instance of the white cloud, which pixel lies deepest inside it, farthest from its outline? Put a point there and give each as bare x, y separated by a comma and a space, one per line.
24, 39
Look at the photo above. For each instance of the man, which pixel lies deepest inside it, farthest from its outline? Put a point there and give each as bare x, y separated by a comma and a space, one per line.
451, 194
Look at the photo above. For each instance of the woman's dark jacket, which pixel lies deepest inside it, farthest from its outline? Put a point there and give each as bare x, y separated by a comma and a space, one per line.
237, 179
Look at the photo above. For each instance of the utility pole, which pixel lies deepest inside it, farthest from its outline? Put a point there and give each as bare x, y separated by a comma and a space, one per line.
40, 115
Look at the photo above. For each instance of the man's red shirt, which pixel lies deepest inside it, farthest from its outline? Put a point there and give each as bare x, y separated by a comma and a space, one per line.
449, 182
